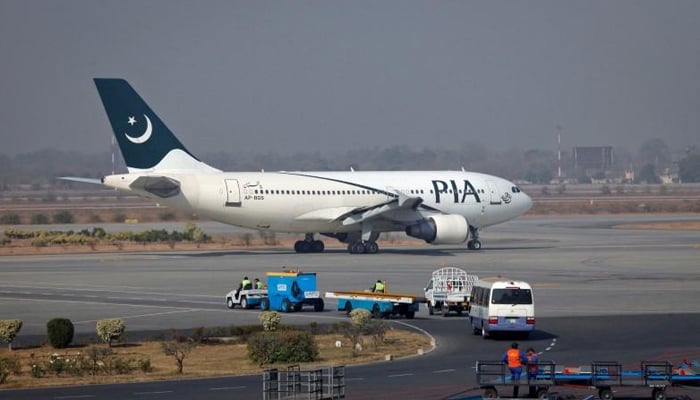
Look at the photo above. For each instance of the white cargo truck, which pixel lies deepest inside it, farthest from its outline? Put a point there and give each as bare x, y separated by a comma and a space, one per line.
448, 290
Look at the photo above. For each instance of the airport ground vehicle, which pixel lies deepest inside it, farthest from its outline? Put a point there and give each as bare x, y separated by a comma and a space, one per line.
601, 375
290, 291
248, 298
501, 305
448, 290
379, 304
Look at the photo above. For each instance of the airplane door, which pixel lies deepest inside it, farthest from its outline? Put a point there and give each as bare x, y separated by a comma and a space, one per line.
494, 198
233, 193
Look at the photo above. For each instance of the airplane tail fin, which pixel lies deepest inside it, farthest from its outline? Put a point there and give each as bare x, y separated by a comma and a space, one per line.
147, 145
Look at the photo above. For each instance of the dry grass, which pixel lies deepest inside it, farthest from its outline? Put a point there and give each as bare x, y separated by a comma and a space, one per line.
207, 360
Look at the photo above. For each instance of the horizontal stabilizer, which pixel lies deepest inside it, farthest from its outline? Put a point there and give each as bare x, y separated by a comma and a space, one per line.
93, 181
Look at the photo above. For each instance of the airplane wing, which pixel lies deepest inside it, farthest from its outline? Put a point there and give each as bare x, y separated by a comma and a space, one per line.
355, 215
81, 180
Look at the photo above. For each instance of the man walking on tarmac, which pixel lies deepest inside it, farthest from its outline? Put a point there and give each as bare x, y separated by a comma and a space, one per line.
515, 360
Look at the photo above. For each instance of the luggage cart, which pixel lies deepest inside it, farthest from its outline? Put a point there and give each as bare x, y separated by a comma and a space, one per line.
493, 374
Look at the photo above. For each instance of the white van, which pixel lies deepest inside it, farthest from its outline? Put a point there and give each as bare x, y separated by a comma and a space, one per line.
501, 305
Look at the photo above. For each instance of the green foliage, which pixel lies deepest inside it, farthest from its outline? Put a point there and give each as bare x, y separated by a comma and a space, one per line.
10, 219
9, 365
118, 217
9, 329
360, 316
377, 330
59, 332
282, 346
178, 350
166, 215
648, 174
689, 167
195, 234
98, 359
270, 320
110, 329
39, 219
63, 217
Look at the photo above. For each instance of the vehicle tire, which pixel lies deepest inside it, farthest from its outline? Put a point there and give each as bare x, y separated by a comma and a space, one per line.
490, 393
658, 394
297, 307
431, 311
410, 314
475, 330
459, 310
542, 394
229, 303
605, 394
244, 302
264, 304
348, 308
298, 246
318, 306
375, 312
286, 306
484, 334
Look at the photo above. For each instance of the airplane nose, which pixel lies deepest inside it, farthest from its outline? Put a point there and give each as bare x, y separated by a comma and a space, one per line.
527, 202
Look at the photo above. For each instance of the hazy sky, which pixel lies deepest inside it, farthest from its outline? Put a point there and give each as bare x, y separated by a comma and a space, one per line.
259, 76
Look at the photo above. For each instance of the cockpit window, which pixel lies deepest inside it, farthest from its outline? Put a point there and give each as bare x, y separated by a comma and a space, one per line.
515, 189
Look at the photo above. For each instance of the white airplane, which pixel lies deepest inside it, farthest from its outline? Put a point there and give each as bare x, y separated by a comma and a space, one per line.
440, 207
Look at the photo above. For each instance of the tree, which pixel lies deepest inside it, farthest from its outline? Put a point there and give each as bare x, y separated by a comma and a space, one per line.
110, 329
8, 330
689, 167
655, 152
648, 174
177, 350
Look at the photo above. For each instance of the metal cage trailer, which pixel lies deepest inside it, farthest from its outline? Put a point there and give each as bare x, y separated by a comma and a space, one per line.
602, 375
449, 290
379, 304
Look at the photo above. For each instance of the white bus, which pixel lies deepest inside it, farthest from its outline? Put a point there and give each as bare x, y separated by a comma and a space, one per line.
501, 305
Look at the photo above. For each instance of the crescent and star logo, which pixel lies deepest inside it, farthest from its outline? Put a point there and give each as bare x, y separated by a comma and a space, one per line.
145, 136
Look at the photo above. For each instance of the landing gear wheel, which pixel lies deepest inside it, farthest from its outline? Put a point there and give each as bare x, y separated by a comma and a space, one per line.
298, 246
229, 303
348, 308
317, 246
490, 393
244, 303
357, 248
265, 304
605, 394
476, 245
371, 247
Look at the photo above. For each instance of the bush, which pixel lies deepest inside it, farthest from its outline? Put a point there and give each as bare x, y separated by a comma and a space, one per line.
97, 357
10, 219
59, 332
39, 219
9, 365
118, 217
63, 217
9, 329
270, 320
282, 346
178, 350
166, 216
110, 329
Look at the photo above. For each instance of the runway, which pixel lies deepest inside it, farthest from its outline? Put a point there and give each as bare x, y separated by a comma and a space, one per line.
599, 292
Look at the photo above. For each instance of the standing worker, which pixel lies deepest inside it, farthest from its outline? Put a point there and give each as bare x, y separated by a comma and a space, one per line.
515, 360
258, 284
378, 286
532, 370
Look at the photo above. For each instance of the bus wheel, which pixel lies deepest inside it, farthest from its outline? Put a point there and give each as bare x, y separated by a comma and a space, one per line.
605, 394
490, 393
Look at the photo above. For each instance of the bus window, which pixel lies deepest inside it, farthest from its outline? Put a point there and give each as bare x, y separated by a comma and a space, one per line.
511, 296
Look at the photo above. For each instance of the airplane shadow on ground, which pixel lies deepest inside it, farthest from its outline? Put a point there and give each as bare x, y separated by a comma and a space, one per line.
441, 252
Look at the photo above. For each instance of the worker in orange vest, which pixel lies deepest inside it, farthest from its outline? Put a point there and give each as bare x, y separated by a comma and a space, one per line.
515, 359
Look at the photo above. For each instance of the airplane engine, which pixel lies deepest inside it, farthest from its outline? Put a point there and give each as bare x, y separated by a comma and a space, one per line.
441, 229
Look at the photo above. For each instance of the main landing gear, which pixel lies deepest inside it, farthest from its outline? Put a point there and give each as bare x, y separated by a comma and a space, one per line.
474, 243
309, 245
360, 247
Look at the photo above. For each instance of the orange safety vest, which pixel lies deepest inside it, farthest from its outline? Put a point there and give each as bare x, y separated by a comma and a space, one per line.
513, 356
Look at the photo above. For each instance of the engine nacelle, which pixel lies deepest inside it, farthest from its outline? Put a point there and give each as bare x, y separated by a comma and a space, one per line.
441, 229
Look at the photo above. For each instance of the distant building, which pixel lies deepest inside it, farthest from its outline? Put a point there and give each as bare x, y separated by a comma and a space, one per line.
593, 161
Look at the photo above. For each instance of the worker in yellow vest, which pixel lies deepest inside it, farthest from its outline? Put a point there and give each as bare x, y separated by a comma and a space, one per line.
378, 286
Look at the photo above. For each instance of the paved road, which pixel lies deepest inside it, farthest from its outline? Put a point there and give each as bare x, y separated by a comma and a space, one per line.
601, 293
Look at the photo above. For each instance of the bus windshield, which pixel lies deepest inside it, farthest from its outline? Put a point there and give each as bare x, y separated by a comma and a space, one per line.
511, 296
